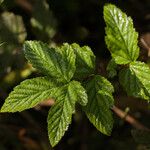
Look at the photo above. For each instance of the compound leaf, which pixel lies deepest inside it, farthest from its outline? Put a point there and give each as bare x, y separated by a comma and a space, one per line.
60, 114
55, 62
136, 80
121, 37
100, 100
29, 93
85, 61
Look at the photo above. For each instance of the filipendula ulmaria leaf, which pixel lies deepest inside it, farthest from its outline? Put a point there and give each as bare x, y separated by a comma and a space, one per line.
100, 100
136, 80
60, 114
54, 62
121, 37
85, 61
29, 93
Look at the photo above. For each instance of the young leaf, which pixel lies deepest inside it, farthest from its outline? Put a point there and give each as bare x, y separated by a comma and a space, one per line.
85, 61
60, 114
100, 100
55, 62
29, 93
136, 80
121, 37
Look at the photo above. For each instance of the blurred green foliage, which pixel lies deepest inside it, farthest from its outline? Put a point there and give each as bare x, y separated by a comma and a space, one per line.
55, 22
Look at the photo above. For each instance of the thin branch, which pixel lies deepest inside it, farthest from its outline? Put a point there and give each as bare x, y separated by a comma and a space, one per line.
129, 119
24, 4
48, 102
123, 115
145, 45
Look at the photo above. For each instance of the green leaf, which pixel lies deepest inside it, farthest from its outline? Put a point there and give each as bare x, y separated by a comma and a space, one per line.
54, 62
121, 37
100, 100
60, 114
111, 68
136, 80
29, 93
85, 61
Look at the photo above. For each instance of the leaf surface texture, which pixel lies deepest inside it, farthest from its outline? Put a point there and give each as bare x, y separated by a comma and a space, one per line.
54, 62
29, 93
136, 80
85, 61
60, 114
121, 37
100, 100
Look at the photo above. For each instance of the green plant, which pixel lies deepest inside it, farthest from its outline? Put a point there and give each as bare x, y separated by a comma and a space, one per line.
70, 77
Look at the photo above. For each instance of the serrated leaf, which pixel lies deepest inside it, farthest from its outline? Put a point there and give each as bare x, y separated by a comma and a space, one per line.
121, 37
29, 93
60, 114
136, 80
111, 68
54, 62
100, 100
85, 61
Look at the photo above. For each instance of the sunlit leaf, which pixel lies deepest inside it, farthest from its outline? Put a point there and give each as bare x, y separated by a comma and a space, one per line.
136, 80
85, 61
29, 93
100, 100
121, 37
56, 62
60, 114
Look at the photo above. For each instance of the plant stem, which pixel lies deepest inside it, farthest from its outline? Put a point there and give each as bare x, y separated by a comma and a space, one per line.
128, 118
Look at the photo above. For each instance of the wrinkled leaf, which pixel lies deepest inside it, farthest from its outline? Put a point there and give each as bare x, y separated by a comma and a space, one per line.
100, 100
136, 80
29, 93
54, 62
121, 37
60, 114
85, 61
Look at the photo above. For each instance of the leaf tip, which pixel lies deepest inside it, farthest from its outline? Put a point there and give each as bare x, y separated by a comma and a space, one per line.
53, 144
3, 110
108, 6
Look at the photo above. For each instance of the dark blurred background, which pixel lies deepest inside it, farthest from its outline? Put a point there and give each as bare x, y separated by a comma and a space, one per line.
56, 22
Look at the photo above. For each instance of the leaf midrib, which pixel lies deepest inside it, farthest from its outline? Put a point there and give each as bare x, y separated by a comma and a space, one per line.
121, 35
